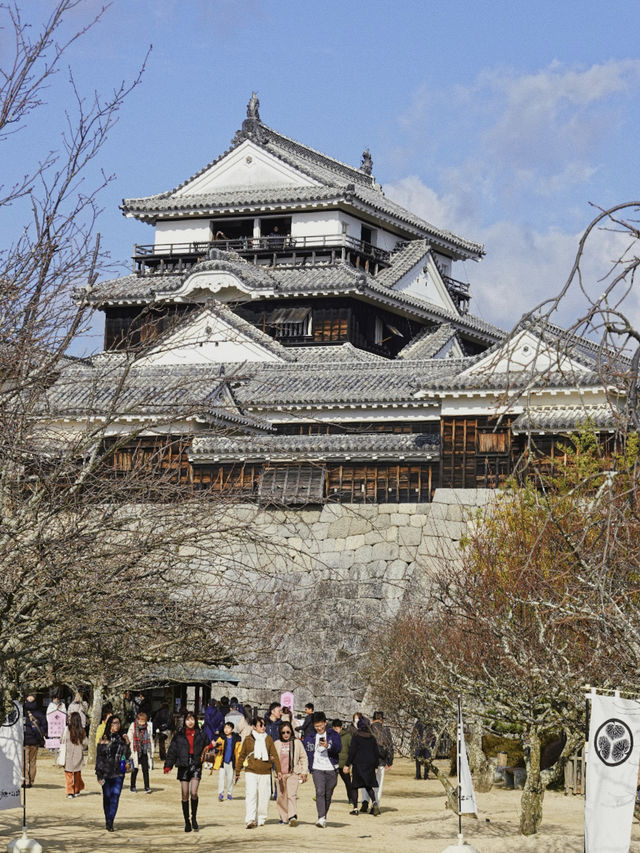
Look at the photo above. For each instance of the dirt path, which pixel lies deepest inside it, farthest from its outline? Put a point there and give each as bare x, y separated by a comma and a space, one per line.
413, 820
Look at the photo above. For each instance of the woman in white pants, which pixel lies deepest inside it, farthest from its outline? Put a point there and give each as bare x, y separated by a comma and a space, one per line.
257, 755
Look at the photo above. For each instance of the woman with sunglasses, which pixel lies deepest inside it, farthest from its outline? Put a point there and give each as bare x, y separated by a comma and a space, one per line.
257, 754
294, 768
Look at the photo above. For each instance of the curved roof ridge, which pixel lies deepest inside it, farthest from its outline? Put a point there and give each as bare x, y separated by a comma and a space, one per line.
302, 149
403, 261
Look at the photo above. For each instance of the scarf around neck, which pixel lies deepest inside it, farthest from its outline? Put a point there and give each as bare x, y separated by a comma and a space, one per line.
141, 740
260, 749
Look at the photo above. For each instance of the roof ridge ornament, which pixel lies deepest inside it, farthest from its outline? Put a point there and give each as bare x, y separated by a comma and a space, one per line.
367, 162
253, 107
252, 127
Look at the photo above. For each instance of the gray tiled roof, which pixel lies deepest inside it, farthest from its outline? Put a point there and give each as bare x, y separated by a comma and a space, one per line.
402, 261
337, 182
249, 199
521, 380
242, 326
345, 383
133, 289
334, 353
557, 419
113, 390
340, 277
428, 343
217, 448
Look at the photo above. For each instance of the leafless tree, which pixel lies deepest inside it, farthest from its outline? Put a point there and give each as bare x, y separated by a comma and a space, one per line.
542, 600
105, 567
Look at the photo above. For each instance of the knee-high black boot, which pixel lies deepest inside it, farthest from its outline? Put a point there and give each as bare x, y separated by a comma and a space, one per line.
185, 812
194, 812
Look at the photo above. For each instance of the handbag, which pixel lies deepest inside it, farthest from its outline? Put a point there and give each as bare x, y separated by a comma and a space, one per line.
126, 765
61, 758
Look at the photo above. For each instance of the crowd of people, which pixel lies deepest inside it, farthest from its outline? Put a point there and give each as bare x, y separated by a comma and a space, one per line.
276, 753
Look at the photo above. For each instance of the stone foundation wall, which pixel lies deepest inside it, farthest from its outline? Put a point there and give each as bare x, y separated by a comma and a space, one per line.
347, 567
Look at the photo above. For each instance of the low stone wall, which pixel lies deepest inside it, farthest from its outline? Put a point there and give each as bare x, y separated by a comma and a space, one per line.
349, 567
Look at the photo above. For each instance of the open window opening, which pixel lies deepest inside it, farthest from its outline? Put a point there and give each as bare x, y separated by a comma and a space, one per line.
231, 229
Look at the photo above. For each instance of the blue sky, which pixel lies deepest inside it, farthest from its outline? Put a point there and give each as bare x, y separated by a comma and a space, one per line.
499, 120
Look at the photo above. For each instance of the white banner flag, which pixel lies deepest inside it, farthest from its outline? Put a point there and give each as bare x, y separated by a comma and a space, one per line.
467, 795
612, 773
11, 740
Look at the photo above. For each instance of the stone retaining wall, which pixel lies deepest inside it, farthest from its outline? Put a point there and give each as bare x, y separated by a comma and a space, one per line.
350, 566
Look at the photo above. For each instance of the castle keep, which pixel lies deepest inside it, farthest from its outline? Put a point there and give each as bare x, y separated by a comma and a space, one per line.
293, 337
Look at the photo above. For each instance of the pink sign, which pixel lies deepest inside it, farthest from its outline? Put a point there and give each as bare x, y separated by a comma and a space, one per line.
286, 700
56, 721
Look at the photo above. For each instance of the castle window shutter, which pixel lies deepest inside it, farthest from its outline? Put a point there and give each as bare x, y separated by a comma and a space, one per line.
292, 484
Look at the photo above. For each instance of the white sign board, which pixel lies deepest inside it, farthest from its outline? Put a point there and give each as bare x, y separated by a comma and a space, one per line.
11, 744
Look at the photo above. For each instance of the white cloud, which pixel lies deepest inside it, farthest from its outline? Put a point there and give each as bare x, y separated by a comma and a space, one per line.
524, 265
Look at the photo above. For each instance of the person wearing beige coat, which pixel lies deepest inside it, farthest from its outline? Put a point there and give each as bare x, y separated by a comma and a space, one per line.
71, 756
294, 767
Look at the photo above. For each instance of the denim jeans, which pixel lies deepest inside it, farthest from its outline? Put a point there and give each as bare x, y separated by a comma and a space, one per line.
111, 796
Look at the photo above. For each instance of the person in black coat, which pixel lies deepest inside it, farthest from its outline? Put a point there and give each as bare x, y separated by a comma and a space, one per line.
185, 751
35, 731
163, 725
362, 761
112, 753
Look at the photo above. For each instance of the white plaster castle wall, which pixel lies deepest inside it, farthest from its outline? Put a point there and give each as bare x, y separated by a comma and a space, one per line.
319, 222
182, 231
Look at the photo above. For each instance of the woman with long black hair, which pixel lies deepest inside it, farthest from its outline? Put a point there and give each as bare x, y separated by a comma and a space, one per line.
362, 760
72, 746
111, 757
185, 751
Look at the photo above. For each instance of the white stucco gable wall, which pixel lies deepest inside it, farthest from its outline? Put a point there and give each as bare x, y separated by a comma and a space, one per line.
424, 280
206, 339
525, 351
248, 165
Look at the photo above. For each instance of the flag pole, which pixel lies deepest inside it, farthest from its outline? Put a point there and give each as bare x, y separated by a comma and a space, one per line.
457, 848
459, 753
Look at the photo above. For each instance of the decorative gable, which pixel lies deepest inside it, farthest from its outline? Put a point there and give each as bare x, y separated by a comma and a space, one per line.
210, 338
526, 352
248, 165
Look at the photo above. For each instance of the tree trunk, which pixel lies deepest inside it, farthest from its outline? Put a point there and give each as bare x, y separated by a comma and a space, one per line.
533, 794
450, 791
479, 764
95, 714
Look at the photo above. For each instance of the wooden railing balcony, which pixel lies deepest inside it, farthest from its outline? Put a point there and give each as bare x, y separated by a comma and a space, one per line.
459, 292
274, 250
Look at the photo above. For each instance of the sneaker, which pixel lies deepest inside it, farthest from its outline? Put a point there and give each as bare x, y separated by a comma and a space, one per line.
69, 796
229, 797
147, 790
261, 823
221, 797
133, 790
375, 810
293, 821
109, 827
321, 822
353, 811
251, 824
364, 808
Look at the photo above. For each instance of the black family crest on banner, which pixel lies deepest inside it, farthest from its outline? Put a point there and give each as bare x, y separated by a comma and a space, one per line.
613, 742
